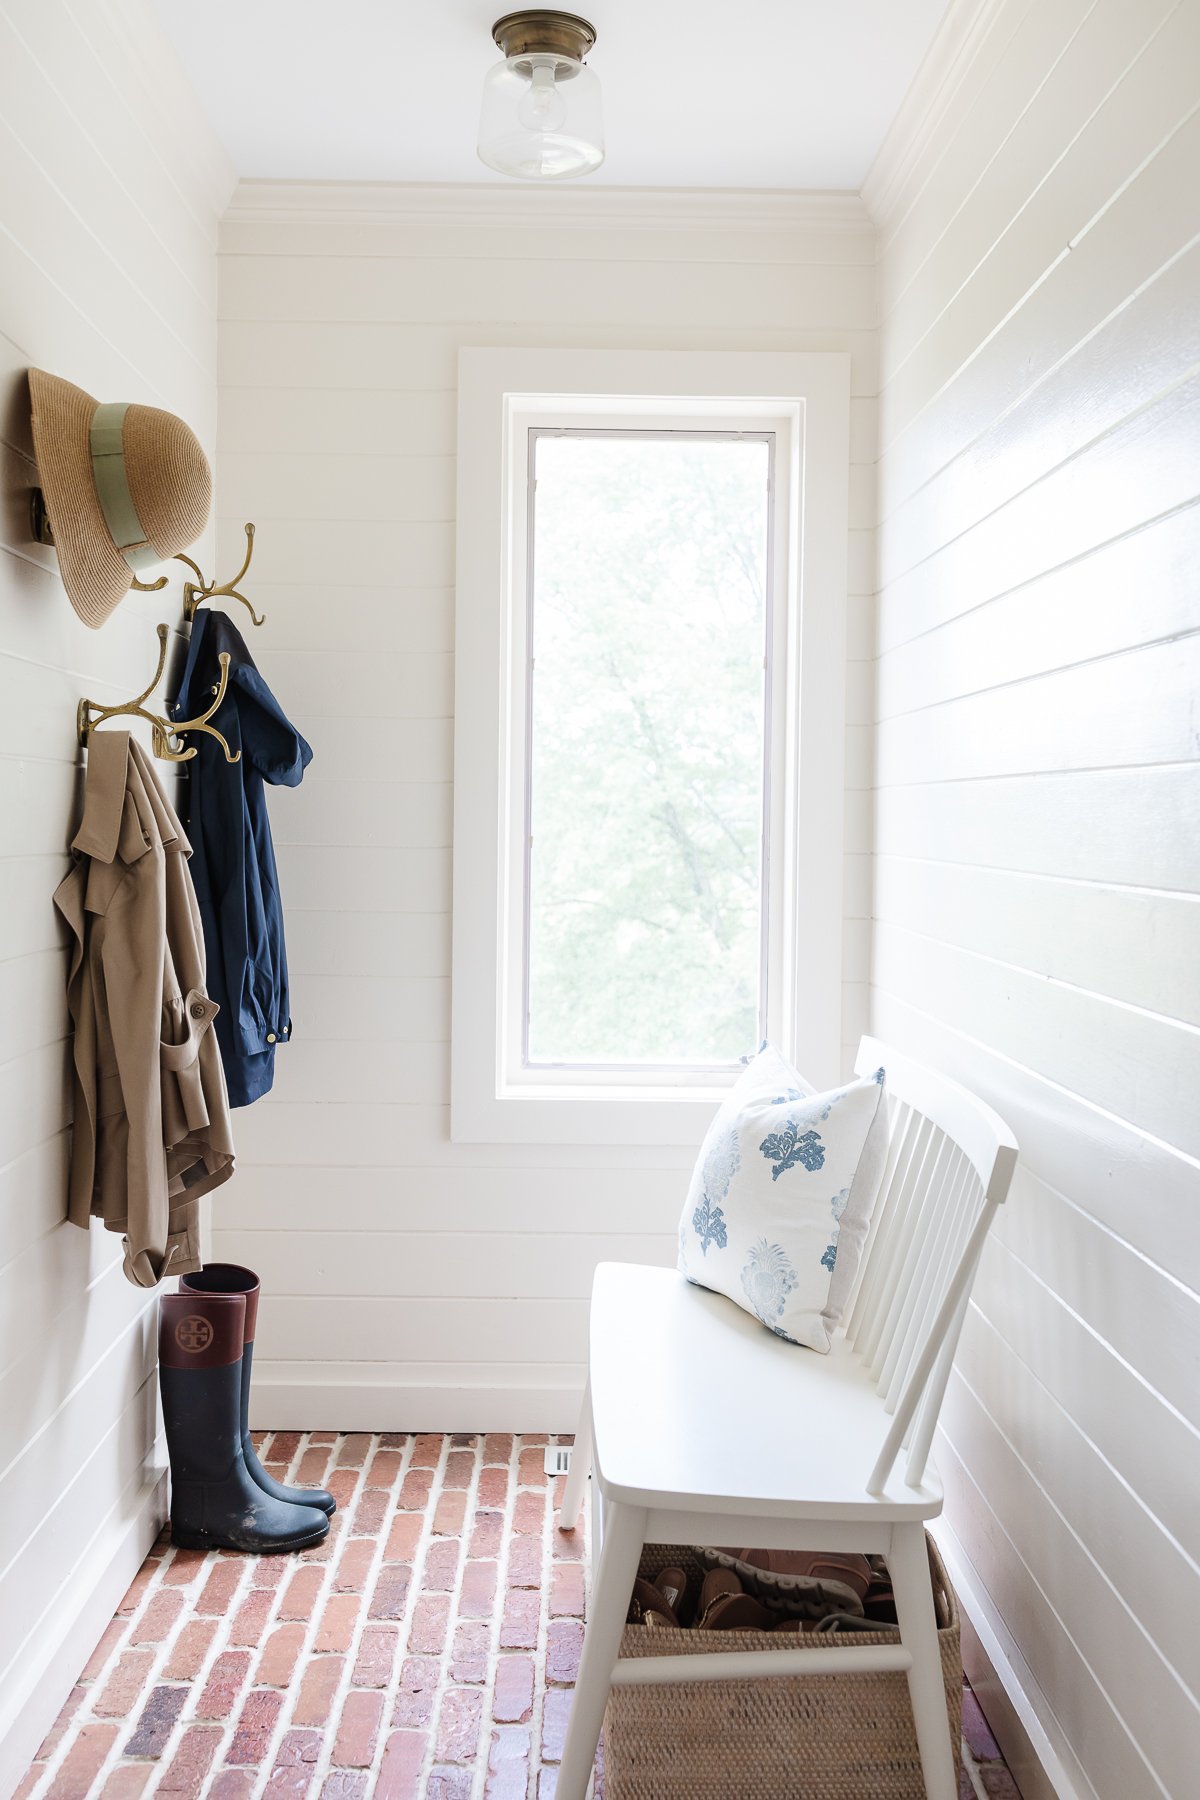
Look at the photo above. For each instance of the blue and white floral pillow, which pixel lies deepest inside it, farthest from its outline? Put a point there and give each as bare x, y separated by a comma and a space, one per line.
781, 1196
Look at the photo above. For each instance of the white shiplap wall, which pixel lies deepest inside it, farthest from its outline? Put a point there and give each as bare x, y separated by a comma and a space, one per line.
111, 187
411, 1281
1035, 892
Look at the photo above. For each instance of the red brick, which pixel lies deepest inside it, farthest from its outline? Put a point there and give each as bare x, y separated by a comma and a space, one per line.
556, 1710
976, 1730
370, 1512
524, 1562
135, 1593
313, 1467
232, 1784
441, 1565
268, 1571
493, 1488
547, 1786
497, 1447
377, 1649
384, 1471
529, 1513
255, 1725
564, 1643
354, 1565
277, 1664
566, 1590
190, 1649
393, 1440
472, 1645
353, 1453
125, 1684
158, 1619
512, 1701
458, 1725
998, 1784
77, 1775
568, 1545
508, 1764
110, 1638
450, 1784
295, 1764
341, 1485
418, 1684
191, 1762
449, 1513
535, 1437
486, 1533
157, 1721
336, 1630
283, 1446
224, 1684
251, 1617
478, 1590
519, 1621
966, 1787
322, 1437
459, 1470
223, 1581
414, 1490
344, 1784
427, 1450
427, 1632
354, 1746
322, 1678
300, 1595
531, 1469
325, 1550
403, 1537
400, 1775
390, 1591
182, 1568
127, 1782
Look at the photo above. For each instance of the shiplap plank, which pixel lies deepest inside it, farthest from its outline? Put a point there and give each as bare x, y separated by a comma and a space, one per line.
33, 1190
383, 943
35, 1102
395, 1265
330, 1072
362, 549
33, 1002
1115, 598
414, 684
363, 879
312, 355
388, 620
279, 486
1140, 1066
354, 746
1138, 947
370, 1329
394, 814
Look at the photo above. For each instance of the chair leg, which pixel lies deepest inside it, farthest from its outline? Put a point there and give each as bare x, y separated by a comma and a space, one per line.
581, 1462
908, 1564
624, 1528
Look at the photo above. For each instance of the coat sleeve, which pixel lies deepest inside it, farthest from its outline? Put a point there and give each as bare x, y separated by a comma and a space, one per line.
269, 739
132, 963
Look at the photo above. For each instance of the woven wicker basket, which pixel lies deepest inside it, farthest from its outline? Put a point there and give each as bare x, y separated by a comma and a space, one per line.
814, 1737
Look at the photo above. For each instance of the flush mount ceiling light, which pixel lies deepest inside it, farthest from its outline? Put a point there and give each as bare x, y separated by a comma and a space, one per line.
541, 108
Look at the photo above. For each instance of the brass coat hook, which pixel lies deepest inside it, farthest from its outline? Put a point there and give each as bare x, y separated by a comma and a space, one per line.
195, 592
165, 731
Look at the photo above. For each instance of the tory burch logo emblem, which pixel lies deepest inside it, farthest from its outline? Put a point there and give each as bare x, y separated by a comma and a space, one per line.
193, 1334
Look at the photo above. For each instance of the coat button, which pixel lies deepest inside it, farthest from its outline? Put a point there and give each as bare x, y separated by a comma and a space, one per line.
197, 1011
270, 1037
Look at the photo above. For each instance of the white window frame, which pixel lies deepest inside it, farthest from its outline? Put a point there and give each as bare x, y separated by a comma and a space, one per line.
804, 398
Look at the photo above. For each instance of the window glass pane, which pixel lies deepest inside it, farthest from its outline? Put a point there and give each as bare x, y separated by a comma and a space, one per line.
650, 558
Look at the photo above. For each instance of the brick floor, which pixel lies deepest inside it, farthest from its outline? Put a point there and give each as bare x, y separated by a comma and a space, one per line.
425, 1652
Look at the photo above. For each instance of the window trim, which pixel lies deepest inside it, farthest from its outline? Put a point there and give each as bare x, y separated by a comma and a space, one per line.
498, 389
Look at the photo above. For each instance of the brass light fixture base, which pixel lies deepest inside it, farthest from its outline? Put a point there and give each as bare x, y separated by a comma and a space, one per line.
539, 31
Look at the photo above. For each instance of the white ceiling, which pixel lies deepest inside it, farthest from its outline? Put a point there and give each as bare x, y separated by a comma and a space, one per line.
388, 90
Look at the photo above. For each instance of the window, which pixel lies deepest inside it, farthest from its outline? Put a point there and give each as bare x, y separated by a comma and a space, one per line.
648, 736
649, 576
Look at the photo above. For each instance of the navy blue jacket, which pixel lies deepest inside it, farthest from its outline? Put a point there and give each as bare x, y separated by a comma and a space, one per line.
233, 858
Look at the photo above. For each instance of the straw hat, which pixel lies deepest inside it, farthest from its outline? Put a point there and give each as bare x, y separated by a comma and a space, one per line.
126, 487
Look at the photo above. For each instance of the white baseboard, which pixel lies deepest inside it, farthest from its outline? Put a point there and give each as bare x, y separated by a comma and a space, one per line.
1042, 1763
405, 1406
60, 1644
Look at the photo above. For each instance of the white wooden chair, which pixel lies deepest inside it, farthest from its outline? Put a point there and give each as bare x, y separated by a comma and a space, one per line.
702, 1428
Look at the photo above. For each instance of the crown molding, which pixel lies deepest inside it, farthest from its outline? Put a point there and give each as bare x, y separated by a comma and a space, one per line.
955, 46
488, 204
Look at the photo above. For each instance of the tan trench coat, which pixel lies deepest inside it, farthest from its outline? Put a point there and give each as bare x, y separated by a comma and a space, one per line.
152, 1131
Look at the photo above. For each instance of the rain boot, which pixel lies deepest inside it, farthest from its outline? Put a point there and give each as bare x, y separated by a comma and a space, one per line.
232, 1278
215, 1503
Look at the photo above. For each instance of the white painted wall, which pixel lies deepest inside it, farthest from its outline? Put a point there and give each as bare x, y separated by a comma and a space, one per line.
1036, 815
112, 186
411, 1281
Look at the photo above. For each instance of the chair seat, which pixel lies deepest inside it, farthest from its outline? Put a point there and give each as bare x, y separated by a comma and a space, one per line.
696, 1406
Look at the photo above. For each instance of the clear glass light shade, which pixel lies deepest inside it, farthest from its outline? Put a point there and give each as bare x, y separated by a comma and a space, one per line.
541, 118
